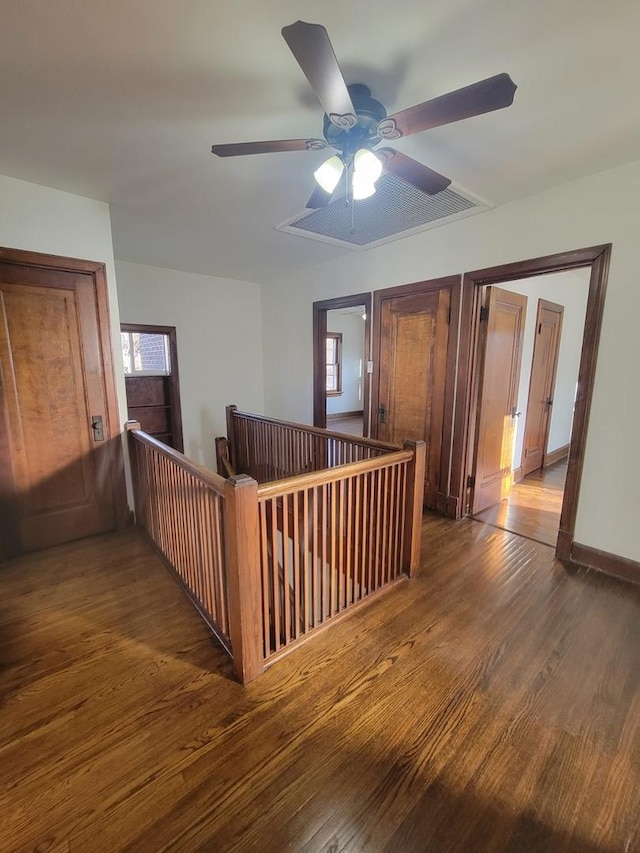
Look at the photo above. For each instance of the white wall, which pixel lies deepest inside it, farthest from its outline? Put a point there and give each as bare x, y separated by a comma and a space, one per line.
41, 219
351, 327
599, 209
219, 336
571, 290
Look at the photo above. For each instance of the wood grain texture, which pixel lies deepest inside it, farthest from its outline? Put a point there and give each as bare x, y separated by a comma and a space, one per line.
59, 265
490, 704
53, 384
432, 308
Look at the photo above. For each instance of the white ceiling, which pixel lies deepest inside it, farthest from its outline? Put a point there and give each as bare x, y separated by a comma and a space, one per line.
120, 100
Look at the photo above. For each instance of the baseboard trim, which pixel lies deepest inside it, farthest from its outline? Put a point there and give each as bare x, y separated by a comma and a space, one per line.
338, 416
555, 456
603, 561
516, 474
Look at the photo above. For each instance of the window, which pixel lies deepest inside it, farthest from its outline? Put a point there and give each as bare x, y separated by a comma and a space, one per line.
145, 354
334, 365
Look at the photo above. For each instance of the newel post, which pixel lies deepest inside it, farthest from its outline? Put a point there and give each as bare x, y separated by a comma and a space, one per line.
134, 467
413, 509
242, 540
231, 434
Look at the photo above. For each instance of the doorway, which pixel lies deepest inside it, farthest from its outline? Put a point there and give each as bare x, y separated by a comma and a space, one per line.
61, 471
554, 433
346, 363
341, 363
150, 358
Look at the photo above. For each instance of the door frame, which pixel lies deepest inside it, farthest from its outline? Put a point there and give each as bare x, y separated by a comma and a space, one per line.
320, 309
447, 501
173, 377
598, 259
113, 431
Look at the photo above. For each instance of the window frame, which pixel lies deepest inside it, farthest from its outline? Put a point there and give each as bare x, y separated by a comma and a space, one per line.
337, 337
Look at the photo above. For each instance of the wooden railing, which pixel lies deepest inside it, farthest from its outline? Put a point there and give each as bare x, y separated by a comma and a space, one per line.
340, 519
269, 565
269, 449
199, 523
330, 540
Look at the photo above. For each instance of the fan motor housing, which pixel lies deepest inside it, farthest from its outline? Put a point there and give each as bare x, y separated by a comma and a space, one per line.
369, 113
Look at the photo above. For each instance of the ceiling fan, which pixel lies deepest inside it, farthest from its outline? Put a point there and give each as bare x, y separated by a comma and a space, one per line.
355, 124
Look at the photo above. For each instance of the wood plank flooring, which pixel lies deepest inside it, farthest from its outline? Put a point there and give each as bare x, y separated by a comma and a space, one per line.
533, 506
351, 426
489, 704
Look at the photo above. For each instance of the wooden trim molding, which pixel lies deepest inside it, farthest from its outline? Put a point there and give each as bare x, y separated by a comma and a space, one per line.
319, 368
598, 258
555, 456
516, 474
603, 561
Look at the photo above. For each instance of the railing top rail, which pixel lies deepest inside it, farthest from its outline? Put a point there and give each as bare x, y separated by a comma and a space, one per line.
354, 439
209, 478
277, 488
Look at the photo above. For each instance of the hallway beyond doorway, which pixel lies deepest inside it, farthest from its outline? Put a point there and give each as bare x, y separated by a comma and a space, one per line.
533, 506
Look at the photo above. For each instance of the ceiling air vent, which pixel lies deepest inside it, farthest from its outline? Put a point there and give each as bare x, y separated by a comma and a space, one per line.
397, 209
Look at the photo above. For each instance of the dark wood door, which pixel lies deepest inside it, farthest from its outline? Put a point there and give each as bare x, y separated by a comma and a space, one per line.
544, 366
57, 468
411, 375
502, 331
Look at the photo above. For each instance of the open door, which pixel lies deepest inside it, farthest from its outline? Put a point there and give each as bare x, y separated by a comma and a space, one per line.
502, 330
544, 367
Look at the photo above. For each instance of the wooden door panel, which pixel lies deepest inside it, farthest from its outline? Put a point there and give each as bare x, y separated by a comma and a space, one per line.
50, 355
412, 369
541, 386
498, 396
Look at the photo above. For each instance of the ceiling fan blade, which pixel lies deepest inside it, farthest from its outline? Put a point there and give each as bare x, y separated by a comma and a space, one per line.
319, 198
236, 148
414, 173
312, 48
494, 93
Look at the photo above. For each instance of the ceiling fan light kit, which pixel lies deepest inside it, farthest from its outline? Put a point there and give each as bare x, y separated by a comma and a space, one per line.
328, 175
355, 123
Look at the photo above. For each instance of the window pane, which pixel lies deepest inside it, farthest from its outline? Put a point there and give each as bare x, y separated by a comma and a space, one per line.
331, 350
150, 353
331, 377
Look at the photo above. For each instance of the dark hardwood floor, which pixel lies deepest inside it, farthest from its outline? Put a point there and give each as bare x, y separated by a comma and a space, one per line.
533, 506
489, 704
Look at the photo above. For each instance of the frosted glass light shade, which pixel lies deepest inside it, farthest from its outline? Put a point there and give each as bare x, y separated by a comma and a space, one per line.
329, 173
362, 188
367, 167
